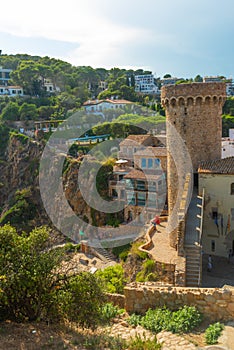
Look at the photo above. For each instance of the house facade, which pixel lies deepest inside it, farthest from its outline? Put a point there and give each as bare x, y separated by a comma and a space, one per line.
4, 76
145, 84
217, 179
139, 178
11, 91
98, 106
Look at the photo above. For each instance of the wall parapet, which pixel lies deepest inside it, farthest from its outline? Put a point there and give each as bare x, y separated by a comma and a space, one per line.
215, 303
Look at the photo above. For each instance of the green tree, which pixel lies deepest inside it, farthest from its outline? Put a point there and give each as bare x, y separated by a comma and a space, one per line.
28, 111
198, 79
10, 112
27, 270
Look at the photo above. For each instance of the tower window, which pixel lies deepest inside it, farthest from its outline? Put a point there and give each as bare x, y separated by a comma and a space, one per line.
213, 246
232, 188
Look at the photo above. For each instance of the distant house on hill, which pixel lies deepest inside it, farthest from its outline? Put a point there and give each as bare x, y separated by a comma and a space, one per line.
217, 179
98, 106
4, 76
145, 84
11, 91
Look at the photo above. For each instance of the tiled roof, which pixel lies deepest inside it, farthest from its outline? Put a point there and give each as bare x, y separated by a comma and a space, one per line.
140, 175
219, 166
135, 140
152, 151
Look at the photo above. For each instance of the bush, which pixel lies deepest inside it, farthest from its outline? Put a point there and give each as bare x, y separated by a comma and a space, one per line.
81, 298
184, 320
143, 344
136, 252
109, 311
27, 270
156, 320
148, 272
113, 278
134, 320
181, 321
213, 332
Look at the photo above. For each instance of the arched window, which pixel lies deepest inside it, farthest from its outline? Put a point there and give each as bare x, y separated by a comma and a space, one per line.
232, 188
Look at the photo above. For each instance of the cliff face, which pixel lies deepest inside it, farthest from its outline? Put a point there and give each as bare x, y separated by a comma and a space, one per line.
20, 199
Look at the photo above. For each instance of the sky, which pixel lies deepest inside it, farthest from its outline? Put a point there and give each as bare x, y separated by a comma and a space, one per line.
178, 37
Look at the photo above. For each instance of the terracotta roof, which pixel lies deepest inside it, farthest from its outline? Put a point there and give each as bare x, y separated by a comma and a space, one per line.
135, 140
219, 166
152, 151
140, 175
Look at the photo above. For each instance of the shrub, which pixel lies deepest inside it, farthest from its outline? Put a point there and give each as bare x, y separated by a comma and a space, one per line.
81, 298
134, 320
143, 344
180, 321
156, 320
27, 270
148, 272
136, 252
184, 320
109, 311
213, 332
113, 278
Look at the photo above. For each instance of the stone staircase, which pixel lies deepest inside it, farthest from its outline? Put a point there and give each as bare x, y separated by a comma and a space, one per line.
193, 266
101, 252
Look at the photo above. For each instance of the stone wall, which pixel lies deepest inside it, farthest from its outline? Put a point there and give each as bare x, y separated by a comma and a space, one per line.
216, 304
194, 132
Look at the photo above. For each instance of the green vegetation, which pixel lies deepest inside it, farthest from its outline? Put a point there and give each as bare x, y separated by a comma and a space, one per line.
109, 311
113, 278
213, 332
31, 287
227, 123
148, 272
121, 252
136, 252
144, 344
181, 321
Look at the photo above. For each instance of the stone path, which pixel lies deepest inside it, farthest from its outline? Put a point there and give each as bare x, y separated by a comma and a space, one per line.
169, 340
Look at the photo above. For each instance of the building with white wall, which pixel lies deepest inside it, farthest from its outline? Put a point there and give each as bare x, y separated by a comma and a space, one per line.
145, 84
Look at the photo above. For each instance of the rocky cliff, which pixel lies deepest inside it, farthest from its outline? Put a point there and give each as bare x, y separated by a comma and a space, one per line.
20, 199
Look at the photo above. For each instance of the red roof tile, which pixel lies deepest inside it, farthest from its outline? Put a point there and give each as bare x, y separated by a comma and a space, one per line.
219, 166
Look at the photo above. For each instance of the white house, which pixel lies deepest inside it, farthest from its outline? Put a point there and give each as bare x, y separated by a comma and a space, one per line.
145, 84
98, 106
11, 91
228, 145
4, 76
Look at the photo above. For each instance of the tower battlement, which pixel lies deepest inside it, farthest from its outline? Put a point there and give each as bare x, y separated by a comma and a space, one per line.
193, 93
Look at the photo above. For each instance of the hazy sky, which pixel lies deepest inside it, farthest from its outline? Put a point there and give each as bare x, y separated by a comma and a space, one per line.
180, 37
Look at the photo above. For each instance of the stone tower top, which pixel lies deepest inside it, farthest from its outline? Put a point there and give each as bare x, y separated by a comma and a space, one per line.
193, 90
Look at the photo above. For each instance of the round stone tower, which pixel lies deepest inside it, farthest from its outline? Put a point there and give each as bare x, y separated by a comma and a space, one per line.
194, 112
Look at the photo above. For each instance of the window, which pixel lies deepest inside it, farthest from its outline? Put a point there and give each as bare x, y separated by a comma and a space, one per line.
157, 162
141, 185
129, 184
150, 163
152, 186
143, 163
152, 200
232, 213
131, 198
232, 188
214, 213
141, 198
213, 246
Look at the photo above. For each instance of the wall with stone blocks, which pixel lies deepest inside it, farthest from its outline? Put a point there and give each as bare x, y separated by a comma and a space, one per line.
216, 304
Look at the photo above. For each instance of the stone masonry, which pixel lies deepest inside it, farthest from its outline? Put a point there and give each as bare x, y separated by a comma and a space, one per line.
193, 113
